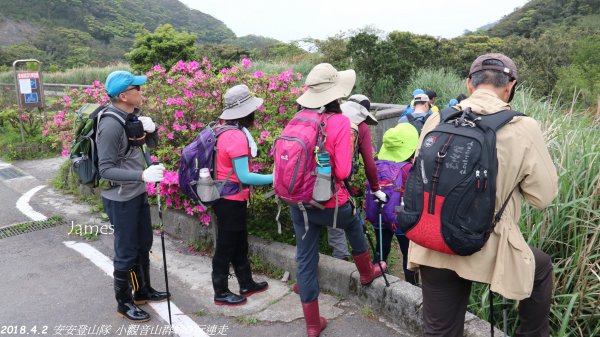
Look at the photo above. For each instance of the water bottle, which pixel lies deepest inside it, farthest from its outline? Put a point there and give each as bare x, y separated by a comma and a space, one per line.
206, 189
323, 189
204, 173
323, 162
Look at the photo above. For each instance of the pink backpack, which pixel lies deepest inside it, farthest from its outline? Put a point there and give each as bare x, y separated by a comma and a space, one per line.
294, 152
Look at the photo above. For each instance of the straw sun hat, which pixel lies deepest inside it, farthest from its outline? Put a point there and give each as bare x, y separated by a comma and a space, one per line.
325, 84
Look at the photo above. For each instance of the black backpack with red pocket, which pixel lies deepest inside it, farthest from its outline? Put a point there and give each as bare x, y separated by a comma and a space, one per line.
450, 194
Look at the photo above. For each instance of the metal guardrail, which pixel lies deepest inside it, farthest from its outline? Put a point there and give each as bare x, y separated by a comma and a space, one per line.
11, 87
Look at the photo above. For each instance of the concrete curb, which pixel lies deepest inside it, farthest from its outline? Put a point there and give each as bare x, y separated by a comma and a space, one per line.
399, 300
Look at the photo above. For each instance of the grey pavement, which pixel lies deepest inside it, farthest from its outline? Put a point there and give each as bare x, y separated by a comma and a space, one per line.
52, 287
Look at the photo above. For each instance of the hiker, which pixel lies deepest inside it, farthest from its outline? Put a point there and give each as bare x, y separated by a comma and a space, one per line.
234, 150
410, 107
356, 108
394, 161
324, 87
121, 160
432, 97
506, 262
421, 113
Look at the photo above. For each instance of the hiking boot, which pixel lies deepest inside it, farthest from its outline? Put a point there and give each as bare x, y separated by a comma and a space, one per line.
248, 286
223, 296
314, 322
145, 293
125, 306
368, 271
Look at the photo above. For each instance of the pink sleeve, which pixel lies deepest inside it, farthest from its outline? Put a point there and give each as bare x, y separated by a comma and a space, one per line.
342, 145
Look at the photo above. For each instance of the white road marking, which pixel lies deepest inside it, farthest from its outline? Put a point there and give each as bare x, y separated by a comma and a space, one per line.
25, 208
182, 324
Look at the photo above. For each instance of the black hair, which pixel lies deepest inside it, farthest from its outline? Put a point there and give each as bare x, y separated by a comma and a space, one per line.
246, 121
460, 97
431, 94
333, 106
495, 78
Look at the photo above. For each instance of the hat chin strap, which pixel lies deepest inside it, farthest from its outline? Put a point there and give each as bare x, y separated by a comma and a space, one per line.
512, 92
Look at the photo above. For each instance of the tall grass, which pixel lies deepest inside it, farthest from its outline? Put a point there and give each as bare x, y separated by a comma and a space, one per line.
83, 75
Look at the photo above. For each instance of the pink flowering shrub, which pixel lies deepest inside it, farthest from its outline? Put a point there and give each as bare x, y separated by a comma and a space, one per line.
181, 101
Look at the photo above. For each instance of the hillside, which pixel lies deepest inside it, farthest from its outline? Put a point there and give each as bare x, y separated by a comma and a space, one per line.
537, 16
103, 28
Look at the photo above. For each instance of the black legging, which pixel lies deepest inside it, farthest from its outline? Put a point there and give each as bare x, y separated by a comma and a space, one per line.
232, 236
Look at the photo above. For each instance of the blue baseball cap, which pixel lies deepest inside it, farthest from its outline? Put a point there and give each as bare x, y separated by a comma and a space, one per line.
417, 91
119, 80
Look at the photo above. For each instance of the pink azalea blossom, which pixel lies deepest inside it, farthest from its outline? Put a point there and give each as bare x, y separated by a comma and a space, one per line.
170, 135
64, 153
281, 109
246, 63
258, 74
178, 114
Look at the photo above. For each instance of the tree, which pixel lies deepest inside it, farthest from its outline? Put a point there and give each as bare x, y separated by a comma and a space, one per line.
165, 46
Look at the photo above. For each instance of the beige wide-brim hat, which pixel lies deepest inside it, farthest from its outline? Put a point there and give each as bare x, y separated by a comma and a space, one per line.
239, 103
356, 112
325, 84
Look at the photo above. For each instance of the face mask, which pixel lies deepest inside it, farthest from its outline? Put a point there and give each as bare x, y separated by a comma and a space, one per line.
135, 131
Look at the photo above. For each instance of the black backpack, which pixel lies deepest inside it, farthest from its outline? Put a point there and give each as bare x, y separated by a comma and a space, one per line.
450, 193
84, 156
417, 122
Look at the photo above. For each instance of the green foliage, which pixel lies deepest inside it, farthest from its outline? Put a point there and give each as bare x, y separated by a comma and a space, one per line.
458, 54
583, 75
334, 50
165, 46
289, 52
446, 84
537, 16
251, 41
392, 60
223, 56
77, 32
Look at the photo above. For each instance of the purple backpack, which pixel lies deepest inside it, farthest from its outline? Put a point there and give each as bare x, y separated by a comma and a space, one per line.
200, 154
389, 174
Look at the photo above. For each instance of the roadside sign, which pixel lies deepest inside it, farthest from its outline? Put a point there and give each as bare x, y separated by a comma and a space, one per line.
28, 84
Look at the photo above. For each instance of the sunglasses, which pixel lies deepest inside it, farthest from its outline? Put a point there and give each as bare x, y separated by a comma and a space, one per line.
135, 87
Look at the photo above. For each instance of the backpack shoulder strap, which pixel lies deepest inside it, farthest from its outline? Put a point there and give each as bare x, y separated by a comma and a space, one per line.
497, 120
448, 113
410, 118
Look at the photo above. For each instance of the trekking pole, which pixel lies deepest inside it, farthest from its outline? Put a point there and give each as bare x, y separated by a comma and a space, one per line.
504, 316
162, 240
379, 211
366, 231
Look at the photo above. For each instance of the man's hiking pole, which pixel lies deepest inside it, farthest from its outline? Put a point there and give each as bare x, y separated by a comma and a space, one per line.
504, 315
162, 240
366, 231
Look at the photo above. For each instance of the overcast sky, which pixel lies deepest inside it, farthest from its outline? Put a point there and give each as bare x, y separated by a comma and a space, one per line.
293, 20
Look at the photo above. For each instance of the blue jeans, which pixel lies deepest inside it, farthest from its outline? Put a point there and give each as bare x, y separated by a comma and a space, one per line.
133, 229
307, 249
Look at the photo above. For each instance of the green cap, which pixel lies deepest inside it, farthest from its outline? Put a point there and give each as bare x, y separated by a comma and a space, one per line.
399, 143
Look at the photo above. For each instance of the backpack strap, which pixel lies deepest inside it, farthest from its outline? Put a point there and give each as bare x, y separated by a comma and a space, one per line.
410, 118
218, 130
448, 113
497, 120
